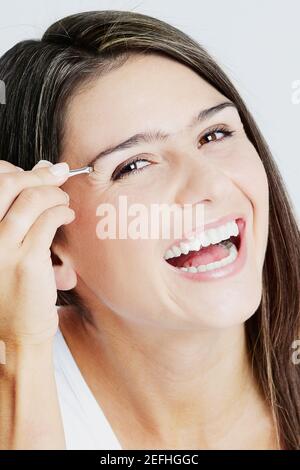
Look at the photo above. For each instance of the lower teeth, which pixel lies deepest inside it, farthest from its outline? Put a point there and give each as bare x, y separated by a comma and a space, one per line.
217, 264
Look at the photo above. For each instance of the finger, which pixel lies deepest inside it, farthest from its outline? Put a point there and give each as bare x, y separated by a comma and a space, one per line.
11, 184
42, 164
27, 207
7, 167
40, 236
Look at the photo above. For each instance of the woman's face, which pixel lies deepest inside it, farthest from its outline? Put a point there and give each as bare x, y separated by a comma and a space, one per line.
222, 174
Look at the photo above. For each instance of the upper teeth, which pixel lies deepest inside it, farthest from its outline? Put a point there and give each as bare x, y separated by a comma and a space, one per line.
208, 237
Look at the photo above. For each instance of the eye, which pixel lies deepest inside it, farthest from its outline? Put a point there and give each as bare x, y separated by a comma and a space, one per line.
135, 165
132, 167
215, 131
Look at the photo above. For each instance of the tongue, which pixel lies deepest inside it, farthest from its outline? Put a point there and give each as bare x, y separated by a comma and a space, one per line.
206, 255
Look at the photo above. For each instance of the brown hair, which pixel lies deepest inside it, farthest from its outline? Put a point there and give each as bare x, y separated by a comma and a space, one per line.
42, 75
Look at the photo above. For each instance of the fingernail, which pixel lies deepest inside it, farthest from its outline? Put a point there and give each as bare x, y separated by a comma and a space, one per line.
59, 169
71, 215
43, 162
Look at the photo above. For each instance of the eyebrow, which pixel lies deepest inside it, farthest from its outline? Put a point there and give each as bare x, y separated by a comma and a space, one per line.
158, 135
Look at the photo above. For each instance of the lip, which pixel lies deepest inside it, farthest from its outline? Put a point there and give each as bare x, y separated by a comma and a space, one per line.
224, 271
199, 230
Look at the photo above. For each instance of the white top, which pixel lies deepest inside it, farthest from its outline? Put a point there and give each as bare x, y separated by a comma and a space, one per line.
85, 425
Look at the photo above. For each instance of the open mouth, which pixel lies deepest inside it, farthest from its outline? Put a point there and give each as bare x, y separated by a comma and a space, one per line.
213, 249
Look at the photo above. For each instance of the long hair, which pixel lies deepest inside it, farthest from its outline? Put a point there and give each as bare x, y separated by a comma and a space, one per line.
41, 76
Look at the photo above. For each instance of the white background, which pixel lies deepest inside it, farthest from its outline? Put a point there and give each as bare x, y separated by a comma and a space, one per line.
256, 42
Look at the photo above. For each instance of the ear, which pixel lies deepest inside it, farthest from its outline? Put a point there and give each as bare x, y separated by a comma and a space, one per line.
65, 275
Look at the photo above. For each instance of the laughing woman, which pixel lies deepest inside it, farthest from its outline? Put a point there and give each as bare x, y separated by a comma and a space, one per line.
147, 343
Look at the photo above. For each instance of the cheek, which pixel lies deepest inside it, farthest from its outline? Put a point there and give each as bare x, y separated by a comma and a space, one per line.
252, 178
248, 173
128, 285
242, 164
114, 255
114, 270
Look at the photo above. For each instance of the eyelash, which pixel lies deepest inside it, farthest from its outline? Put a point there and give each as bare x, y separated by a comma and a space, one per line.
118, 175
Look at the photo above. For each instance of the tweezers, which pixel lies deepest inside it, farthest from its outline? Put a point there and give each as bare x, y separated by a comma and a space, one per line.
79, 171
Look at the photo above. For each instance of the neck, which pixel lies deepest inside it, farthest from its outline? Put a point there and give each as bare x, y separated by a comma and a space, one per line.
190, 383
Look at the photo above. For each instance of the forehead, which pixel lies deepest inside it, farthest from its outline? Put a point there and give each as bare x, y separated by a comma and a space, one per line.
147, 91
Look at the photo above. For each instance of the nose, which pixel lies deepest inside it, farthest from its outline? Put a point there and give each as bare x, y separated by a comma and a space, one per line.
199, 181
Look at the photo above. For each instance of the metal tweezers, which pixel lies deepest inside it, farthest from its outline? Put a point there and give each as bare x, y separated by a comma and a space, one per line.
79, 171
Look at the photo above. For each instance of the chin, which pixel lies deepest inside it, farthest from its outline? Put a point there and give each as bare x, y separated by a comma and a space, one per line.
220, 312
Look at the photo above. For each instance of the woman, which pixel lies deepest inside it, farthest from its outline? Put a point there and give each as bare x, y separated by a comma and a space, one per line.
140, 353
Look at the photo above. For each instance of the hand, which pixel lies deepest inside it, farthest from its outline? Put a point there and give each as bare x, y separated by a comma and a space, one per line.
32, 207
